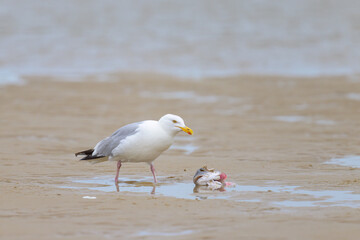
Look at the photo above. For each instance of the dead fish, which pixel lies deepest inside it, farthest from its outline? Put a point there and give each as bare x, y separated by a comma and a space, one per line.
210, 178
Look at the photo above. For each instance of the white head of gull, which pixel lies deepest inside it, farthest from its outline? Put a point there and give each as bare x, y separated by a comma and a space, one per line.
137, 142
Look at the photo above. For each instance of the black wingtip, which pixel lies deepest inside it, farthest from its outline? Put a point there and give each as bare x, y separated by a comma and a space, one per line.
90, 157
86, 152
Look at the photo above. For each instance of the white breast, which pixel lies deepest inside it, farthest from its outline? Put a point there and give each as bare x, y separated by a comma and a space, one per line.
144, 146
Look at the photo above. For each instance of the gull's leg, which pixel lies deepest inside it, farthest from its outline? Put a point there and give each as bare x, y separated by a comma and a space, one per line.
153, 171
117, 172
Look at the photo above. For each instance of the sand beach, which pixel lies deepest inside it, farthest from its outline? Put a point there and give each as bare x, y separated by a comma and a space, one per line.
271, 90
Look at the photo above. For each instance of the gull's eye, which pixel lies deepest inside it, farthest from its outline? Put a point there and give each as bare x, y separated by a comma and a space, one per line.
174, 121
202, 170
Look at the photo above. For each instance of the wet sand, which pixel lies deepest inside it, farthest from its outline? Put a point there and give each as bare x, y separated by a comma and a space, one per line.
266, 132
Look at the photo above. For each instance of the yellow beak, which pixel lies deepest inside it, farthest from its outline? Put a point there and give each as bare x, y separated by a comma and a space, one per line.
187, 130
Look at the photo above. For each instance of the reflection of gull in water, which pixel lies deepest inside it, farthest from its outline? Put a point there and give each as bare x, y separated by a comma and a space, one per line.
152, 190
137, 142
137, 184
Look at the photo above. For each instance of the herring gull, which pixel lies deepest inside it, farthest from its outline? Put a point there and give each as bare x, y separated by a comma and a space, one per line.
137, 142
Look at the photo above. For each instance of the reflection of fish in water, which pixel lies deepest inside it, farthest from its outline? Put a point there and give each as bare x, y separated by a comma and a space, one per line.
209, 179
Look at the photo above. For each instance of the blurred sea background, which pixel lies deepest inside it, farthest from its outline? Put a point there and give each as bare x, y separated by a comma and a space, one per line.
191, 39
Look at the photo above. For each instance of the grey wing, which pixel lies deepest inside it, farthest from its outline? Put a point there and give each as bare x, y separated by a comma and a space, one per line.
107, 145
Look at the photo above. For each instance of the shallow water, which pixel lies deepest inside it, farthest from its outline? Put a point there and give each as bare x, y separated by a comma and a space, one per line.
187, 148
347, 161
190, 96
187, 38
273, 194
164, 234
145, 185
184, 144
303, 119
353, 96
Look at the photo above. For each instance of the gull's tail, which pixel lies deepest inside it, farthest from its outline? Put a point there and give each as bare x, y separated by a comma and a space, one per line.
89, 156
